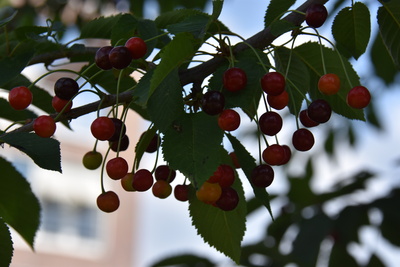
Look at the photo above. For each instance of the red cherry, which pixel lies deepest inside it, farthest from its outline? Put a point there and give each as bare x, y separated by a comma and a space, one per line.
181, 192
273, 83
102, 59
234, 79
224, 175
20, 97
44, 126
58, 104
288, 155
270, 123
108, 201
120, 57
228, 200
161, 189
303, 139
229, 120
102, 128
137, 47
117, 168
274, 154
319, 111
164, 172
142, 180
316, 15
358, 97
213, 102
278, 101
262, 175
305, 119
329, 84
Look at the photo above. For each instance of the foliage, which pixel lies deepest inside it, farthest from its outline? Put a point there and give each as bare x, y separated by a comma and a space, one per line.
169, 95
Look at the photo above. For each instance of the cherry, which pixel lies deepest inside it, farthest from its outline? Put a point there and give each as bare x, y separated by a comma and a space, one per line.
92, 160
119, 127
154, 143
108, 201
270, 123
235, 160
209, 193
358, 97
278, 101
273, 83
58, 104
288, 154
234, 79
316, 15
137, 47
224, 175
329, 84
126, 182
161, 189
164, 172
117, 168
319, 111
120, 57
303, 139
66, 88
102, 128
142, 180
123, 144
305, 119
229, 120
102, 59
20, 97
213, 102
274, 154
44, 126
181, 192
262, 175
228, 200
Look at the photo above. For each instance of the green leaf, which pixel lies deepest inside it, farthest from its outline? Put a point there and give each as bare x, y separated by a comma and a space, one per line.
175, 16
382, 62
247, 163
6, 245
389, 27
45, 152
339, 255
177, 52
147, 29
19, 207
352, 29
143, 143
223, 230
375, 261
280, 27
275, 10
124, 29
184, 260
297, 78
7, 14
217, 8
196, 25
101, 27
248, 98
349, 222
166, 103
193, 145
7, 112
310, 54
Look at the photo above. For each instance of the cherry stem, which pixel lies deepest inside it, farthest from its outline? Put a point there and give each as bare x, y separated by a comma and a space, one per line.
102, 171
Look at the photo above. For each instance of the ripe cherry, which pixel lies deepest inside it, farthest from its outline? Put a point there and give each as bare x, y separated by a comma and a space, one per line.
181, 192
161, 189
209, 193
108, 201
126, 182
20, 97
270, 123
274, 154
303, 139
137, 47
329, 84
273, 83
123, 144
102, 59
262, 175
288, 154
305, 119
229, 120
213, 102
319, 111
234, 79
154, 143
278, 101
316, 15
102, 128
358, 97
142, 180
92, 160
66, 88
119, 127
164, 172
224, 175
44, 126
117, 168
228, 200
58, 104
120, 57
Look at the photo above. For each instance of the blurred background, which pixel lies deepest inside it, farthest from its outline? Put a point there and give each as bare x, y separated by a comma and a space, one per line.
336, 204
